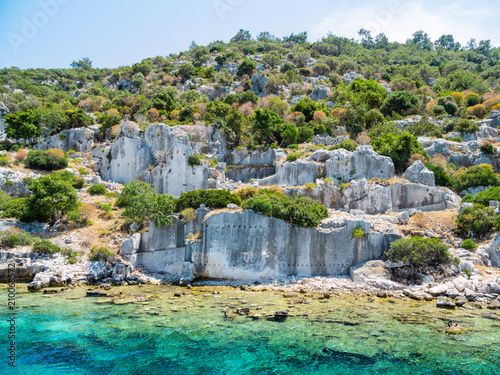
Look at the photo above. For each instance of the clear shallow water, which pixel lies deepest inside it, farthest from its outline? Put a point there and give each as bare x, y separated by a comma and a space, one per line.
71, 334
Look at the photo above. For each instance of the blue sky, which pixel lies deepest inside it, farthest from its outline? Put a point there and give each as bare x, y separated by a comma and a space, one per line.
52, 33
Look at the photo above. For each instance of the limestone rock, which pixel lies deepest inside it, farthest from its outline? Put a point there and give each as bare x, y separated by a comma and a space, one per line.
418, 172
320, 92
129, 129
259, 84
373, 273
351, 76
131, 244
78, 139
362, 163
494, 252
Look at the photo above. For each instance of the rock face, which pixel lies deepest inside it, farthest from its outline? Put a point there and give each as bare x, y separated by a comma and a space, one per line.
12, 182
362, 163
159, 156
494, 252
243, 245
79, 140
351, 76
374, 198
462, 154
259, 82
3, 111
339, 165
418, 172
326, 140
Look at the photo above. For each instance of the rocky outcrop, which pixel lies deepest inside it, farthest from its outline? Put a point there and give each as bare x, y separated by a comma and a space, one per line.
242, 157
338, 165
79, 140
376, 273
362, 163
160, 157
242, 245
351, 76
13, 182
3, 111
494, 252
296, 173
379, 198
259, 82
462, 154
326, 140
320, 92
418, 172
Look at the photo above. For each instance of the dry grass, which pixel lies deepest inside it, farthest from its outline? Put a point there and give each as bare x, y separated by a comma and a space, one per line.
438, 221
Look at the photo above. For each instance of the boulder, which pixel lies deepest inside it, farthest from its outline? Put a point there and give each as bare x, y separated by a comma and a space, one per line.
131, 244
320, 92
259, 84
374, 273
419, 173
351, 76
129, 129
344, 165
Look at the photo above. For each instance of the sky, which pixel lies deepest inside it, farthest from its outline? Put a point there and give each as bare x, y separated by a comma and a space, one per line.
112, 33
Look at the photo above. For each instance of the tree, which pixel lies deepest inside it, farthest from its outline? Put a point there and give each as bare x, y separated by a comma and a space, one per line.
142, 204
321, 69
265, 36
23, 125
401, 102
186, 71
381, 41
164, 99
421, 40
399, 147
267, 125
447, 42
200, 53
300, 38
246, 67
241, 36
369, 92
53, 197
85, 63
366, 38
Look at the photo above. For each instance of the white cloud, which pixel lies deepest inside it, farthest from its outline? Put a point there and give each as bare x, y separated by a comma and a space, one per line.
399, 20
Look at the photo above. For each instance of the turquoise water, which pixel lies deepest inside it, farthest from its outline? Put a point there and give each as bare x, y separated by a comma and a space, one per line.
68, 333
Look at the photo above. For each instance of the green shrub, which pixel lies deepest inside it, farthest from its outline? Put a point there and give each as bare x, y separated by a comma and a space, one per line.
466, 126
78, 183
468, 244
358, 232
189, 214
488, 149
50, 160
142, 204
82, 171
293, 156
100, 253
4, 161
4, 199
347, 144
441, 176
194, 160
15, 208
484, 197
13, 238
214, 199
481, 175
300, 211
419, 252
97, 189
46, 247
71, 255
476, 221
399, 147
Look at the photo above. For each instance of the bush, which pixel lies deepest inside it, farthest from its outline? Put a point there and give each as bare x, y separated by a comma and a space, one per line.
472, 99
300, 211
142, 204
400, 102
194, 160
100, 253
487, 148
348, 144
246, 67
50, 160
4, 161
481, 175
53, 197
476, 221
293, 156
189, 214
441, 176
468, 244
46, 247
358, 232
214, 199
15, 208
4, 199
419, 252
484, 197
399, 147
466, 126
71, 255
98, 189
